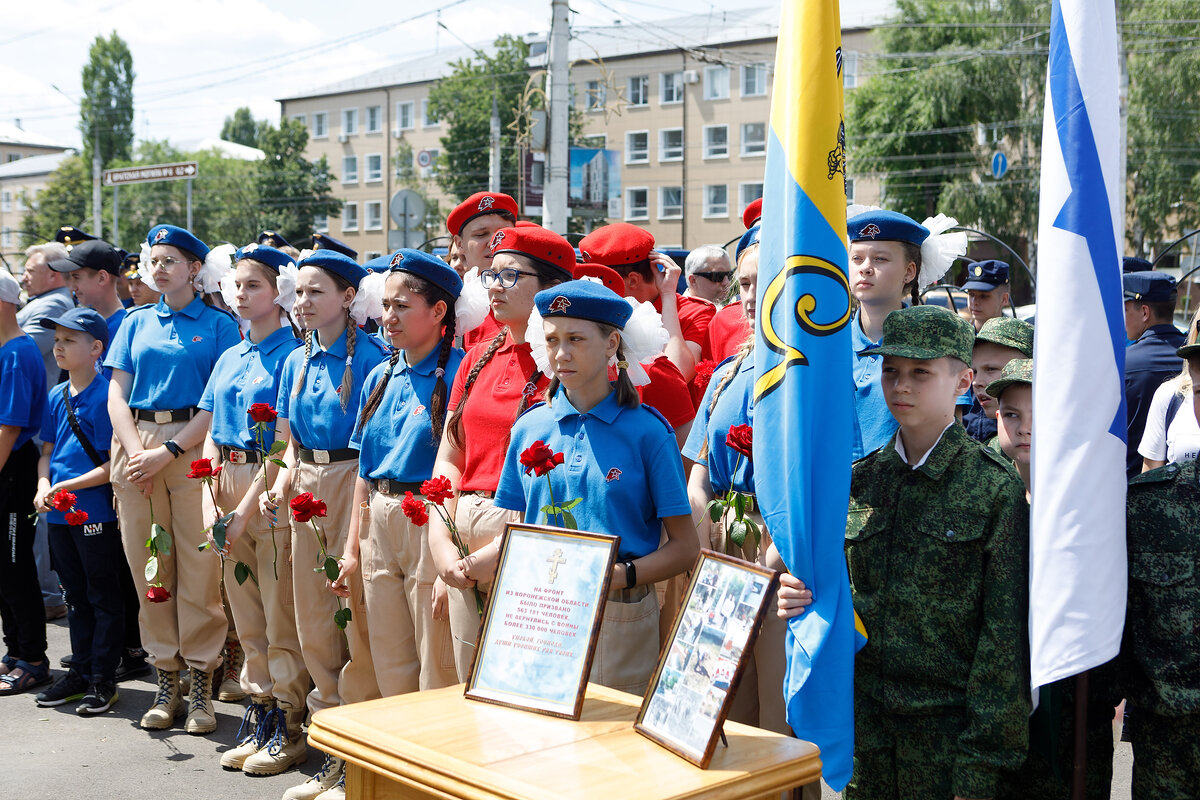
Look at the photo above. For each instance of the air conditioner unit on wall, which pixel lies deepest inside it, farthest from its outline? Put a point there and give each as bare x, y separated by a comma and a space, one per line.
691, 76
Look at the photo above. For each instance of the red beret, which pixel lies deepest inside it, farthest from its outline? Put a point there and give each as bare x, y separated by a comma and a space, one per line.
525, 223
477, 205
617, 244
540, 244
752, 213
609, 277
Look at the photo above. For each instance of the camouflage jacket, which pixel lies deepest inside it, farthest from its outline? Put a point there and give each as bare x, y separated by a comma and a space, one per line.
938, 559
1160, 654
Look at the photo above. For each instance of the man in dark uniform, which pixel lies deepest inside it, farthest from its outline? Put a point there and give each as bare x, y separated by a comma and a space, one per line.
987, 290
1149, 308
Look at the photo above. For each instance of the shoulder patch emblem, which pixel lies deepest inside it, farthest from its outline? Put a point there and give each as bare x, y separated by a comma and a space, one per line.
197, 338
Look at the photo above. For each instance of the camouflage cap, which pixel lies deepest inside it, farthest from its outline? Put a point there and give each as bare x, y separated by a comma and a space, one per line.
925, 333
1019, 370
1008, 332
1188, 351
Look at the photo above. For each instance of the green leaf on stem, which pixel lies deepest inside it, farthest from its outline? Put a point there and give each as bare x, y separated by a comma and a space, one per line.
151, 569
162, 539
278, 462
341, 617
277, 447
739, 504
571, 504
331, 568
737, 532
715, 509
569, 520
241, 571
755, 530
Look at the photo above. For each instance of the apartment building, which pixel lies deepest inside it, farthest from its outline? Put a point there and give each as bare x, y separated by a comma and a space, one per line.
683, 103
26, 161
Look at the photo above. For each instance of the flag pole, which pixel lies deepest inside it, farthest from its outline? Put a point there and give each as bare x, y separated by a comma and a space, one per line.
1079, 763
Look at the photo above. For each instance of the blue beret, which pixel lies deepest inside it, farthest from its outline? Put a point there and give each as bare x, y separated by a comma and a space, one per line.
1148, 287
983, 276
338, 263
886, 226
177, 237
275, 259
429, 267
379, 263
80, 319
584, 300
751, 236
323, 241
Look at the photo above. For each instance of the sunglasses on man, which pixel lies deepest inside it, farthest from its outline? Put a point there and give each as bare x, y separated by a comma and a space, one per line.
716, 277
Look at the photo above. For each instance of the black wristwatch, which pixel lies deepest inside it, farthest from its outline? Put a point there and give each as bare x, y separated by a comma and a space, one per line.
175, 450
630, 574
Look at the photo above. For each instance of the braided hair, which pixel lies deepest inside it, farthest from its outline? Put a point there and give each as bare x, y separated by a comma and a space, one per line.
351, 330
348, 373
912, 252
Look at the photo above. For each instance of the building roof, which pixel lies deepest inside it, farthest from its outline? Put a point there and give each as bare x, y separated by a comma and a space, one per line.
11, 134
34, 165
227, 149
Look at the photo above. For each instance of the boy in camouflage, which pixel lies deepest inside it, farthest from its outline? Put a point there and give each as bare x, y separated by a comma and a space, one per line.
1160, 660
999, 341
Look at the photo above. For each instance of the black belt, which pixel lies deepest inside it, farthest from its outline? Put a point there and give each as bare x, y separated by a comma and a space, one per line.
394, 488
163, 417
481, 492
236, 456
327, 456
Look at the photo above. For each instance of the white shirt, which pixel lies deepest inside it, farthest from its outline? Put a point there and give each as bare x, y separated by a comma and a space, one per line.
1180, 442
924, 458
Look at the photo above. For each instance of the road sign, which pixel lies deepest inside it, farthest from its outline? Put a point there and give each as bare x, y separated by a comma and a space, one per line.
398, 239
999, 165
407, 209
424, 158
149, 174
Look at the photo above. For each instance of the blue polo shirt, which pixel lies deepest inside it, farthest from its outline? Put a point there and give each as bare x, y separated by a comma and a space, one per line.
873, 423
316, 417
623, 462
114, 323
171, 354
22, 387
245, 374
397, 441
69, 459
735, 406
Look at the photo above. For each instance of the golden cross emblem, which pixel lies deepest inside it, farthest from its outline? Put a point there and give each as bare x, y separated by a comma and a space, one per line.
554, 560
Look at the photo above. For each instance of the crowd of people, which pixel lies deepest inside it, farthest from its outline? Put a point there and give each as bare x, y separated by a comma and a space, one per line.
281, 476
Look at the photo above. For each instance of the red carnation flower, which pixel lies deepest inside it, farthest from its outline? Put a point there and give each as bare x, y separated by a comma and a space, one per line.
414, 509
741, 439
540, 459
704, 373
63, 501
77, 517
305, 507
157, 594
437, 490
262, 412
202, 468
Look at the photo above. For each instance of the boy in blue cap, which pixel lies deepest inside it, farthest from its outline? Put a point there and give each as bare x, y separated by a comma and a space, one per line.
91, 269
84, 538
987, 290
1151, 360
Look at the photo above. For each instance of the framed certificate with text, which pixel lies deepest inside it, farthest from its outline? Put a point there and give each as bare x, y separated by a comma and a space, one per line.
698, 671
543, 619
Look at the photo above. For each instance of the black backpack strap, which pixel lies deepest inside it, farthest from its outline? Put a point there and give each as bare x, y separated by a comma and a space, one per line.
1172, 409
79, 434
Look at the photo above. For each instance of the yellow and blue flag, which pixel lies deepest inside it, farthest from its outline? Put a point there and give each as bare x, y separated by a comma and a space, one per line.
803, 383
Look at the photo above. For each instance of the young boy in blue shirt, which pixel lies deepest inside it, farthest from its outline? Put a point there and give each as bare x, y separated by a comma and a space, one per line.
85, 541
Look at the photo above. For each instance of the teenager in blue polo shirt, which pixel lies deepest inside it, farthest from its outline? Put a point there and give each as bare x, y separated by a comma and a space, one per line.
22, 403
161, 360
403, 416
87, 552
620, 458
249, 373
318, 404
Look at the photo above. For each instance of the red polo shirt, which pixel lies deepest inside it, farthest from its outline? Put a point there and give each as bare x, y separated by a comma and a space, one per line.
667, 393
484, 332
728, 329
694, 317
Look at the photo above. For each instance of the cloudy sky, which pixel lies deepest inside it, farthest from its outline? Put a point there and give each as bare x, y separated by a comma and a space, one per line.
198, 60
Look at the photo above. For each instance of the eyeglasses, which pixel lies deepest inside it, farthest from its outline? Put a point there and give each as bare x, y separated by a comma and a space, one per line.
507, 278
716, 277
165, 263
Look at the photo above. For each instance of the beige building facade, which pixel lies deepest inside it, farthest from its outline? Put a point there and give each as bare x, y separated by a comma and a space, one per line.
26, 162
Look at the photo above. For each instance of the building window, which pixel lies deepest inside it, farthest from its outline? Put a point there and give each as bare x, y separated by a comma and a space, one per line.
428, 118
349, 169
6, 236
849, 70
597, 93
716, 141
849, 191
349, 217
301, 118
670, 88
374, 168
404, 116
349, 121
670, 202
754, 80
320, 128
637, 203
637, 147
6, 201
374, 215
367, 256
374, 119
754, 138
321, 223
639, 90
716, 83
716, 200
13, 157
748, 193
670, 144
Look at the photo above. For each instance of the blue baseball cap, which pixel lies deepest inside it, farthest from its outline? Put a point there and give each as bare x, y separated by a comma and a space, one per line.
177, 237
429, 267
584, 300
275, 259
337, 263
1148, 287
983, 276
85, 320
323, 241
886, 226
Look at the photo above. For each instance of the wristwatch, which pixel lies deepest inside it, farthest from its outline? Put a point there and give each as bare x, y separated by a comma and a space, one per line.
630, 574
175, 450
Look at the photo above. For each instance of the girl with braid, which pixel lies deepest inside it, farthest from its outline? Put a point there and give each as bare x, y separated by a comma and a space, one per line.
495, 383
318, 403
399, 429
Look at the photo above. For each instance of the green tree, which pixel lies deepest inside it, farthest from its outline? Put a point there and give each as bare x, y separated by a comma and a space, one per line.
242, 128
65, 200
291, 189
463, 100
106, 111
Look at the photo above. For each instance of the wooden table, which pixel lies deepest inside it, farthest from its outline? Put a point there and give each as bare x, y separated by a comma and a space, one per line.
438, 744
